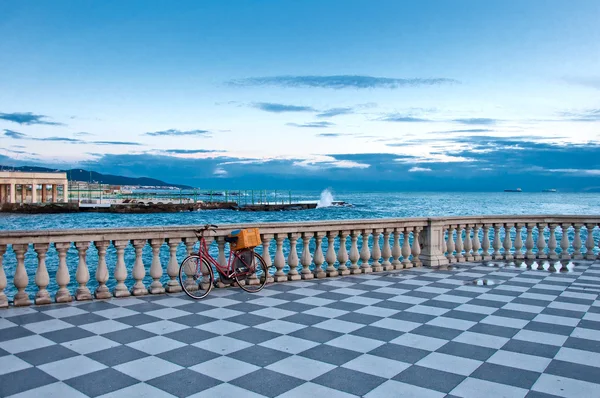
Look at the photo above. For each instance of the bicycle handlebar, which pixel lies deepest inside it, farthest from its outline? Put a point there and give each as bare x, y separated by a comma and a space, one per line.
211, 227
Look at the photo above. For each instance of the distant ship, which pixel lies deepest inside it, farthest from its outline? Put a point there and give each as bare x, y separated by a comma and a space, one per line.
549, 190
513, 190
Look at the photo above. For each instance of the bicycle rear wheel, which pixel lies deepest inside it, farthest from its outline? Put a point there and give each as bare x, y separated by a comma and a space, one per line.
196, 277
255, 277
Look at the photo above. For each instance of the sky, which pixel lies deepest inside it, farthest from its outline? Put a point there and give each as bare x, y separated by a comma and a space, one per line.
355, 95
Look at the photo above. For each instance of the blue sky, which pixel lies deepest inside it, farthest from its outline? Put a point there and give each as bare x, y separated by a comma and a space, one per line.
428, 95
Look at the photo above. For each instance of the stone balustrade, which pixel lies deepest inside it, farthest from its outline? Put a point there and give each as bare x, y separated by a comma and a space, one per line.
140, 261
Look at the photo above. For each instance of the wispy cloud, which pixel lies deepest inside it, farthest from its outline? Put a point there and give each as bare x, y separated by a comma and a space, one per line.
175, 132
340, 82
588, 115
21, 136
82, 134
280, 108
335, 112
189, 151
313, 125
57, 139
220, 172
128, 143
469, 131
418, 169
27, 118
396, 117
14, 134
477, 121
329, 135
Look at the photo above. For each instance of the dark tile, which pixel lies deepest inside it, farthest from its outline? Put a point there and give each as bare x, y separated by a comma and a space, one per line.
282, 287
195, 307
117, 355
29, 318
431, 379
548, 292
488, 303
526, 301
3, 353
573, 371
53, 306
187, 356
573, 300
582, 344
145, 307
413, 317
128, 335
184, 382
506, 375
589, 324
526, 316
363, 286
68, 334
494, 330
97, 306
48, 354
425, 295
437, 332
304, 319
295, 307
530, 348
317, 335
249, 319
83, 319
359, 318
14, 332
373, 332
350, 381
344, 306
139, 319
288, 297
565, 313
259, 355
190, 335
550, 328
267, 382
393, 305
332, 296
441, 304
378, 296
464, 315
400, 353
504, 292
330, 354
23, 380
536, 394
467, 351
101, 382
246, 307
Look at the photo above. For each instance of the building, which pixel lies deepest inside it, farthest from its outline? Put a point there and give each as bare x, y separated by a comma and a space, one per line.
23, 187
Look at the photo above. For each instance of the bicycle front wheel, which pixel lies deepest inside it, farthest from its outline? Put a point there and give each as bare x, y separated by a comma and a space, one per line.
255, 272
196, 277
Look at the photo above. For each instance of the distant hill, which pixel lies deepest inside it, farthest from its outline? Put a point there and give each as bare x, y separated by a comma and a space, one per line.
86, 175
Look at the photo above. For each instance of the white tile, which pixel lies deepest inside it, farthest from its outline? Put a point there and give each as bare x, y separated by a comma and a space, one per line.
396, 389
378, 283
450, 363
349, 292
391, 290
5, 323
556, 320
512, 288
224, 368
395, 324
221, 327
23, 344
565, 387
450, 298
139, 390
221, 313
419, 341
269, 301
325, 312
377, 311
496, 297
47, 326
550, 287
127, 301
475, 388
417, 282
155, 345
172, 302
427, 310
226, 391
452, 323
147, 368
222, 345
537, 296
590, 316
169, 313
583, 296
273, 313
533, 309
14, 311
407, 299
569, 306
279, 326
54, 390
162, 327
113, 313
505, 321
71, 367
220, 302
300, 367
477, 309
483, 340
429, 289
361, 300
355, 343
11, 363
337, 325
103, 327
317, 301
90, 344
314, 390
541, 337
307, 292
338, 283
292, 345
520, 361
64, 312
377, 366
579, 356
473, 289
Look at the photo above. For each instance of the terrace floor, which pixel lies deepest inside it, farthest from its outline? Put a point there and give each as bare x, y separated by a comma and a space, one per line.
416, 332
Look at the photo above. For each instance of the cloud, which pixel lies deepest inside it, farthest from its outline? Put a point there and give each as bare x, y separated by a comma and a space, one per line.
27, 118
318, 125
587, 115
395, 117
418, 169
335, 112
14, 134
175, 132
469, 131
220, 172
340, 82
477, 120
129, 143
329, 135
21, 136
189, 151
82, 134
58, 139
280, 108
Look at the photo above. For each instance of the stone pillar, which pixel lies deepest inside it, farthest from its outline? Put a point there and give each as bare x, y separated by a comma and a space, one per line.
42, 279
330, 255
2, 194
318, 258
577, 242
365, 252
173, 285
34, 192
102, 291
376, 254
54, 193
120, 269
387, 251
279, 263
266, 255
450, 245
62, 273
3, 298
406, 263
66, 192
139, 271
416, 247
293, 274
342, 256
156, 270
44, 193
83, 274
354, 256
23, 193
21, 280
13, 193
432, 254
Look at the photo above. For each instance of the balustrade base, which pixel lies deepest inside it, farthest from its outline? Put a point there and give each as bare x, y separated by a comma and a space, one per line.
366, 270
389, 267
590, 257
173, 287
102, 292
320, 274
377, 268
43, 297
355, 271
21, 299
83, 294
63, 296
3, 301
344, 272
509, 257
138, 290
578, 257
280, 278
295, 277
121, 292
486, 258
307, 275
159, 289
332, 273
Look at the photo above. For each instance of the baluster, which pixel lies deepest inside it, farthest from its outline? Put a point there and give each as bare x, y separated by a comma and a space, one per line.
156, 270
541, 242
306, 259
416, 248
387, 251
507, 244
42, 279
266, 254
376, 254
293, 274
564, 242
354, 257
406, 263
139, 271
459, 244
21, 280
519, 243
82, 276
172, 285
485, 245
450, 245
468, 245
318, 257
120, 269
589, 242
189, 245
552, 243
396, 251
343, 254
221, 259
279, 276
3, 298
330, 255
496, 244
365, 253
62, 273
577, 242
476, 243
529, 244
102, 291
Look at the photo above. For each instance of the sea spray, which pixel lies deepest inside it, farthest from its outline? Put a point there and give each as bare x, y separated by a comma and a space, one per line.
326, 199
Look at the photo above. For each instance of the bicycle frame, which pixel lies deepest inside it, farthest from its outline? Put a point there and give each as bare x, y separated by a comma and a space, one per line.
227, 270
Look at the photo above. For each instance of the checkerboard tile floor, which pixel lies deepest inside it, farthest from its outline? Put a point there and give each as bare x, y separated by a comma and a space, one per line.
415, 332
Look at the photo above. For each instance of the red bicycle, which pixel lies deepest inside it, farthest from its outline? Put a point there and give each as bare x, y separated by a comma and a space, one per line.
244, 266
